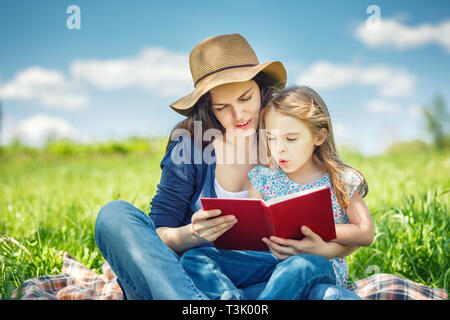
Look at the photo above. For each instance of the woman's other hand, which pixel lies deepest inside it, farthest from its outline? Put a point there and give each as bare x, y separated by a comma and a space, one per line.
208, 225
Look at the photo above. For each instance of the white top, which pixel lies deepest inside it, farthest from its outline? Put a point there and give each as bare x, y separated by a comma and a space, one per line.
222, 193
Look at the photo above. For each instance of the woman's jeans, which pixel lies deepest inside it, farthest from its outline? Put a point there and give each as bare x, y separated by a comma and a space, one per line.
148, 269
219, 273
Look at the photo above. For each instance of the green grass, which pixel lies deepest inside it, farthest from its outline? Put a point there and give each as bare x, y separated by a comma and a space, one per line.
49, 201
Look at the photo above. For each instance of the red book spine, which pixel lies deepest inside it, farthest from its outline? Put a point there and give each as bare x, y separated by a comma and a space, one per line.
269, 220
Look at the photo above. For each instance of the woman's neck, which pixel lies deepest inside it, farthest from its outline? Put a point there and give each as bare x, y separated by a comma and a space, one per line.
237, 149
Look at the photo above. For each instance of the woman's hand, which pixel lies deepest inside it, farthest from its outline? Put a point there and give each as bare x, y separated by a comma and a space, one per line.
207, 226
311, 243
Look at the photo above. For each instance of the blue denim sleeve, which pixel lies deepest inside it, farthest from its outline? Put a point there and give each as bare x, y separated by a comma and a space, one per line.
170, 205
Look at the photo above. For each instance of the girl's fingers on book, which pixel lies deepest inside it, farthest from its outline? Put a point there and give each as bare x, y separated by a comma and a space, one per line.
279, 255
287, 242
279, 240
280, 248
309, 233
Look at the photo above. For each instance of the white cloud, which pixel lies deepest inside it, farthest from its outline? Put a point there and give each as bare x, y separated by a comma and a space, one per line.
339, 130
382, 106
342, 134
37, 128
392, 33
154, 69
158, 70
49, 87
390, 82
325, 75
413, 111
416, 111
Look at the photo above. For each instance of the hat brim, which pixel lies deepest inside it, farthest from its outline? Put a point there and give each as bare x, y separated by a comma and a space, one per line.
275, 70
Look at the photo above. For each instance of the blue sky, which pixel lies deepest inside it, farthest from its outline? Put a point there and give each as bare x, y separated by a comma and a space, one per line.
374, 78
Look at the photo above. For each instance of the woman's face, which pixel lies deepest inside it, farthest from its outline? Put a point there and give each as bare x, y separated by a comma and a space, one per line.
237, 106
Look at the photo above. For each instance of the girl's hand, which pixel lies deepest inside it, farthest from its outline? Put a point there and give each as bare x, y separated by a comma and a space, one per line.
206, 226
284, 248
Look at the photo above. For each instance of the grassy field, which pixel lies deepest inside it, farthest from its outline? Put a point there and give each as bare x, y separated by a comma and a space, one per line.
49, 202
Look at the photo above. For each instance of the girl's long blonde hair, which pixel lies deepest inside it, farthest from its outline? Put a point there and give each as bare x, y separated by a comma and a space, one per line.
305, 104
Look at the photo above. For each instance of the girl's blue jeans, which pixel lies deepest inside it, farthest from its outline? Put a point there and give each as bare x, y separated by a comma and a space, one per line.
148, 269
220, 273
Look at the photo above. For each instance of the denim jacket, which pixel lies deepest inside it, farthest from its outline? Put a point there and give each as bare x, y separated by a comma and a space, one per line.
185, 177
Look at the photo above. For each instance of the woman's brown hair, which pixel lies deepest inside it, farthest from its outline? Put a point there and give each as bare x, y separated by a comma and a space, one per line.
305, 104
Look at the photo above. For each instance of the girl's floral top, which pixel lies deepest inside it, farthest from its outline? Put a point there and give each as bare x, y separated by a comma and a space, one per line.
271, 184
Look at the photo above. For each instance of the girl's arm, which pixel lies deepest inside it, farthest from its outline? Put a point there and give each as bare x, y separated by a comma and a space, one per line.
312, 243
335, 249
360, 230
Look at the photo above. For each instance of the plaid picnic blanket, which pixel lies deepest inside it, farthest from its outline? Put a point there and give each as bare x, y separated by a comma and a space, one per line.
77, 282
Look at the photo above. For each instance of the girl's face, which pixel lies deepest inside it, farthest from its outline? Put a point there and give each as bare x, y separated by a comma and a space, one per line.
291, 142
237, 106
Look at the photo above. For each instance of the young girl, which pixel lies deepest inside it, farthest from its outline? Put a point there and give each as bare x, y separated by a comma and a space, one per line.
302, 154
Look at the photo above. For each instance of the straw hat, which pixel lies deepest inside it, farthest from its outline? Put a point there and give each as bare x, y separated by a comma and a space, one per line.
225, 59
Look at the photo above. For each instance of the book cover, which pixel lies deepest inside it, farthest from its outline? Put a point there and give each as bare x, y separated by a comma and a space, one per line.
282, 217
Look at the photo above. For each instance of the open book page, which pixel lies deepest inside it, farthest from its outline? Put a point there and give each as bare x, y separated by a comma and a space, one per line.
293, 195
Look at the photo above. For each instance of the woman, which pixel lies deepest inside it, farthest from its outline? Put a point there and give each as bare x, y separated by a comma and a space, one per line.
231, 87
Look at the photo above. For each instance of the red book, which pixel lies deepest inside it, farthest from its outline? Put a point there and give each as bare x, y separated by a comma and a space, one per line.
281, 217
